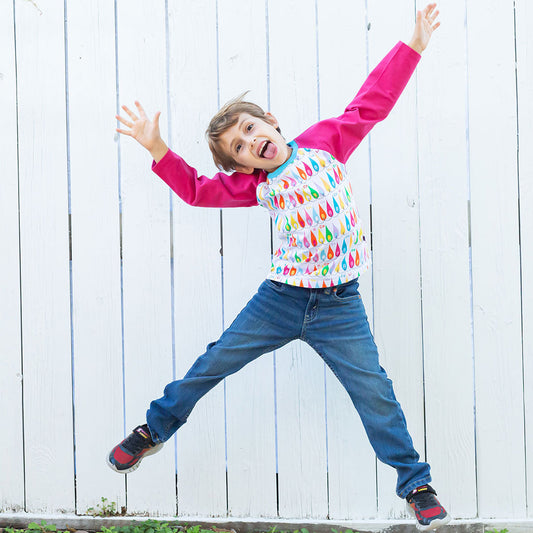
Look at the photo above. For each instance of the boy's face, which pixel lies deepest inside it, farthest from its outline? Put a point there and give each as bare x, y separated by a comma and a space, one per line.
255, 143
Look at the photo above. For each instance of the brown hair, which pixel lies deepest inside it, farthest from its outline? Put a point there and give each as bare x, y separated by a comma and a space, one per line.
227, 117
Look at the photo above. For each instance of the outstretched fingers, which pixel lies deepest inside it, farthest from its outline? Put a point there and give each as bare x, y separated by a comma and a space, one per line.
140, 108
429, 14
432, 18
429, 9
131, 114
124, 121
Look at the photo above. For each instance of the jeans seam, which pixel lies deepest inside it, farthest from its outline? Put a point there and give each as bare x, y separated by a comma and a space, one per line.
324, 359
347, 299
413, 484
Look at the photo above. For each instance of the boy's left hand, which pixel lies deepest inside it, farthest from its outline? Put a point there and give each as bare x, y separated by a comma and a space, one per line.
424, 28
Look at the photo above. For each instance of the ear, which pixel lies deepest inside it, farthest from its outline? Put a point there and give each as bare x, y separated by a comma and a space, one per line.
244, 170
271, 119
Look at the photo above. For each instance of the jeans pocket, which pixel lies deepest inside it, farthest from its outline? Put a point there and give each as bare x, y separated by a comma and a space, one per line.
347, 291
276, 285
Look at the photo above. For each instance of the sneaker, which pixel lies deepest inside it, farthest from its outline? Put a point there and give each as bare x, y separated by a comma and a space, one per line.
127, 456
422, 504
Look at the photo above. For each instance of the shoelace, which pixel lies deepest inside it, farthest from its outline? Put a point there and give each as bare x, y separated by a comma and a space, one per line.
135, 442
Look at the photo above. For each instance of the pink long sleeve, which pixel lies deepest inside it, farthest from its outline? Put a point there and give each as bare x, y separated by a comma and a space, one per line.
223, 190
340, 136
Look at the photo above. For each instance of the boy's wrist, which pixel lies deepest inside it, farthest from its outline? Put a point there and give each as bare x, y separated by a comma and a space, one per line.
159, 150
416, 46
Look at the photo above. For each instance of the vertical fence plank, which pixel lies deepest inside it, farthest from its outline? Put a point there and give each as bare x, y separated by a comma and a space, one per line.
97, 333
11, 461
145, 250
524, 51
299, 370
495, 260
351, 460
246, 240
396, 253
45, 280
446, 294
197, 279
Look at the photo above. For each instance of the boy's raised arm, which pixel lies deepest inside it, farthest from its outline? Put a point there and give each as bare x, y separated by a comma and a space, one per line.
223, 190
341, 135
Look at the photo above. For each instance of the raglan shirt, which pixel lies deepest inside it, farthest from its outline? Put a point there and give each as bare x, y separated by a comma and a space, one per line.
309, 197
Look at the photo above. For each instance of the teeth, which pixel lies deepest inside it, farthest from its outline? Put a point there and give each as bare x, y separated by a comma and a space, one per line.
263, 148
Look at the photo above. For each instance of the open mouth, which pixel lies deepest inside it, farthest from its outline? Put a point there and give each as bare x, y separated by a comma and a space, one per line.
268, 150
263, 148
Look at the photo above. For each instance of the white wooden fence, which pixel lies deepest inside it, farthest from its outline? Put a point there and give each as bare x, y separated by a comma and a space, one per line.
101, 307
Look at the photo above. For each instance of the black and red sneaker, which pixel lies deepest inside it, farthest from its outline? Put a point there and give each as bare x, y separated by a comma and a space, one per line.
423, 505
127, 456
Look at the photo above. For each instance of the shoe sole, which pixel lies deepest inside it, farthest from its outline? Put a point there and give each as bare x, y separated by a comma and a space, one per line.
434, 525
155, 449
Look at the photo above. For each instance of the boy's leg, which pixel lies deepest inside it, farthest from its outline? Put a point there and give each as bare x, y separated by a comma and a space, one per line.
269, 320
340, 333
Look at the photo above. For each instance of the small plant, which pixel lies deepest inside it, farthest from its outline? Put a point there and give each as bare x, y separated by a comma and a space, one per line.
153, 526
43, 526
105, 508
497, 531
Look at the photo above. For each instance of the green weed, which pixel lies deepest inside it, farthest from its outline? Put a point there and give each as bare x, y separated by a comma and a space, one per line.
154, 526
33, 528
104, 508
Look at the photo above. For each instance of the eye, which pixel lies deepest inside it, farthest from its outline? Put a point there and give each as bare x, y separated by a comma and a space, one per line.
249, 127
237, 148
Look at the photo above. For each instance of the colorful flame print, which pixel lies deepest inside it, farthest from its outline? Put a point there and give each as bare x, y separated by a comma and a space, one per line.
334, 222
314, 194
294, 224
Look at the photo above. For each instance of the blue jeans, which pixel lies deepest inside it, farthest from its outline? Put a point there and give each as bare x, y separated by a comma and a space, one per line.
333, 321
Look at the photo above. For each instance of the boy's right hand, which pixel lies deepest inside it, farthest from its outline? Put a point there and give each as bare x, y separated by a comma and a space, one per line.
144, 131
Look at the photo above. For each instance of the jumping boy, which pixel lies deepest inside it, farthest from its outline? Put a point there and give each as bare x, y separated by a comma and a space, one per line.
311, 292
